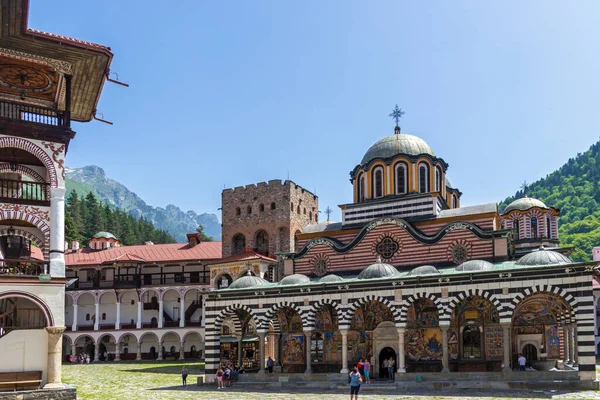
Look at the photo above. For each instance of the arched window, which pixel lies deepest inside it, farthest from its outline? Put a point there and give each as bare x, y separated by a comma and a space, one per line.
238, 243
273, 206
377, 182
423, 178
103, 316
261, 207
87, 317
401, 175
298, 208
438, 179
249, 209
310, 215
262, 241
361, 187
548, 228
292, 207
534, 227
454, 203
238, 211
516, 230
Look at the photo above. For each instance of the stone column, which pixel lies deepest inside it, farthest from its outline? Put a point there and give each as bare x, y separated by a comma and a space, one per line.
278, 365
160, 346
239, 343
445, 363
401, 356
506, 344
261, 350
54, 376
57, 232
307, 334
75, 311
138, 355
73, 350
118, 320
182, 312
566, 344
138, 324
96, 352
118, 351
571, 352
203, 318
160, 314
97, 321
576, 346
344, 333
182, 350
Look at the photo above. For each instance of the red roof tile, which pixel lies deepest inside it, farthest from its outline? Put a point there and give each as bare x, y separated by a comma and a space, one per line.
247, 255
145, 253
66, 39
37, 253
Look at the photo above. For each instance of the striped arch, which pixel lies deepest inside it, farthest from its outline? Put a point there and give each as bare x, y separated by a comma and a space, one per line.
30, 147
83, 335
414, 297
23, 170
455, 301
270, 316
311, 316
34, 216
38, 301
359, 302
39, 241
571, 301
229, 312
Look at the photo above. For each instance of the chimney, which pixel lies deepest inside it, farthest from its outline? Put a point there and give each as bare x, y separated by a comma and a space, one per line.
149, 243
75, 246
66, 246
193, 239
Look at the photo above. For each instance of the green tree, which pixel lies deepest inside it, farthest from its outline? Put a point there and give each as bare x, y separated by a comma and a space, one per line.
203, 236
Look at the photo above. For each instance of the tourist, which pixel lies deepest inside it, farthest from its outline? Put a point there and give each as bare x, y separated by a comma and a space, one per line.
270, 365
219, 377
235, 373
391, 364
87, 359
522, 361
385, 368
227, 375
355, 381
184, 374
359, 365
367, 369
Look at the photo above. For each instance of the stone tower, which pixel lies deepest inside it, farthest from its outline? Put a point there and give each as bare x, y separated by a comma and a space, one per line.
266, 217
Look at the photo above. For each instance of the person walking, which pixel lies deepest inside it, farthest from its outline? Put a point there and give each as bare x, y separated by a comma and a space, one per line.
270, 365
391, 364
355, 381
184, 374
367, 369
522, 361
219, 377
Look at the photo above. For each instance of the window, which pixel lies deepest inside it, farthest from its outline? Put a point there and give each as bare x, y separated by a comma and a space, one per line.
238, 243
238, 211
261, 207
548, 228
103, 316
378, 182
87, 317
320, 266
316, 347
262, 242
423, 178
471, 342
249, 209
400, 172
310, 215
361, 187
438, 179
516, 231
292, 207
305, 211
534, 227
272, 206
454, 203
387, 248
298, 208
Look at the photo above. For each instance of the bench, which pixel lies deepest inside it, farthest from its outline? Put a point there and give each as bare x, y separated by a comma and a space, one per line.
20, 380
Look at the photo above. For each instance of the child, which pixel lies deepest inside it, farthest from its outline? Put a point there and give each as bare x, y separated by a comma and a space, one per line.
219, 376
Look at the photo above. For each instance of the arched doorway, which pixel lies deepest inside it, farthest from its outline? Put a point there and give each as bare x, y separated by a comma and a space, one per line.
152, 353
530, 353
385, 354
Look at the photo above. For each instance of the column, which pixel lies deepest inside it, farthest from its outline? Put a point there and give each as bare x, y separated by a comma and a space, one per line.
118, 351
344, 333
96, 352
240, 354
118, 321
203, 320
307, 334
401, 356
73, 350
506, 343
75, 311
138, 355
445, 364
182, 312
160, 314
261, 349
160, 346
138, 324
571, 352
57, 232
182, 350
576, 346
54, 357
566, 344
278, 366
97, 321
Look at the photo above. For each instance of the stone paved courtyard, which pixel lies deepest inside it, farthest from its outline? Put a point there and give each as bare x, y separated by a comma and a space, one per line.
162, 380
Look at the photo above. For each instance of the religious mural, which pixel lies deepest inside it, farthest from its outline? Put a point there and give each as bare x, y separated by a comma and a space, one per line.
332, 341
494, 342
369, 315
552, 342
539, 309
360, 344
452, 344
423, 344
423, 313
292, 348
289, 320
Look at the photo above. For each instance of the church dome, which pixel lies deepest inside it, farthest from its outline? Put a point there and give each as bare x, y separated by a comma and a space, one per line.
331, 278
295, 279
475, 265
544, 257
248, 281
397, 144
424, 270
523, 204
104, 235
378, 270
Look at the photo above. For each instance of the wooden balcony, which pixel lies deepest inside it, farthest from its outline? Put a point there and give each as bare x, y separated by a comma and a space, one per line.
24, 192
27, 120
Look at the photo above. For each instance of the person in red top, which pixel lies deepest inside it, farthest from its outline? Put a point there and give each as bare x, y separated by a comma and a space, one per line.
360, 367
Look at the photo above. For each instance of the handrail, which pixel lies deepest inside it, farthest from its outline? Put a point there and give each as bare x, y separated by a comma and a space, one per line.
35, 114
24, 190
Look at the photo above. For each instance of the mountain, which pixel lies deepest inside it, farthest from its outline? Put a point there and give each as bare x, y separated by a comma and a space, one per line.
575, 189
171, 218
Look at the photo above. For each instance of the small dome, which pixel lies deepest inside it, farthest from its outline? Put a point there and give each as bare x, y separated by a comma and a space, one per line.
523, 204
475, 265
424, 270
378, 270
104, 235
295, 279
396, 144
248, 281
331, 278
544, 257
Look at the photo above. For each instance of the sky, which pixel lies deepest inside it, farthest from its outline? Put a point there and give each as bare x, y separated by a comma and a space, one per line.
228, 93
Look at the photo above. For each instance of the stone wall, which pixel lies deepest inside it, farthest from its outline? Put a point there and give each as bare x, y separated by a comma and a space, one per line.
275, 208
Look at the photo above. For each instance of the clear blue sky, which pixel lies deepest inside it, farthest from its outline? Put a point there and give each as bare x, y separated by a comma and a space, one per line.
225, 93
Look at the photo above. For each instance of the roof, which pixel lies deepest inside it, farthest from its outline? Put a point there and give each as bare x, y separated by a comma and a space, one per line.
470, 210
247, 255
37, 253
247, 281
595, 283
378, 270
104, 235
396, 144
523, 204
322, 227
544, 257
157, 253
69, 40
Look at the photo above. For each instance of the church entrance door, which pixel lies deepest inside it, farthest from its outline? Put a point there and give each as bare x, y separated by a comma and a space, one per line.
530, 353
385, 354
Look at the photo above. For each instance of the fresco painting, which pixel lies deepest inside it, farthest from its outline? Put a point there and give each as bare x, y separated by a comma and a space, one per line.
539, 309
424, 344
360, 345
332, 347
452, 345
369, 315
476, 309
292, 348
552, 342
326, 323
423, 313
289, 320
494, 339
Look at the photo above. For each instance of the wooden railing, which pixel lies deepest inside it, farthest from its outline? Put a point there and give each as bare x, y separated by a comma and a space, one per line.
24, 192
22, 269
38, 115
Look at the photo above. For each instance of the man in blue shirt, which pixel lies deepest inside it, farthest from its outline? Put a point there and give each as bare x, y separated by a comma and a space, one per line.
355, 381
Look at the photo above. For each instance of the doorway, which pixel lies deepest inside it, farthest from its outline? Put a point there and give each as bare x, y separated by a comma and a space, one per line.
385, 354
530, 353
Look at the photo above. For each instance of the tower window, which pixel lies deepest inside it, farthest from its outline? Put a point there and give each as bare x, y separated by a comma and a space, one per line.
516, 229
273, 206
249, 209
298, 208
292, 207
548, 228
454, 204
310, 215
423, 178
261, 207
534, 227
378, 182
304, 211
238, 211
438, 179
361, 187
401, 178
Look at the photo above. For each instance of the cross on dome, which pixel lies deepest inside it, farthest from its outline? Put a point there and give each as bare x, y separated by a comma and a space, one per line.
396, 114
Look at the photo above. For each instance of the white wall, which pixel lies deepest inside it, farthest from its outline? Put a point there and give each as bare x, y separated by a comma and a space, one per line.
25, 350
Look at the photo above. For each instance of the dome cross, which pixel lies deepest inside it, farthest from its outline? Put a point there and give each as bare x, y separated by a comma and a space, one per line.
396, 114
